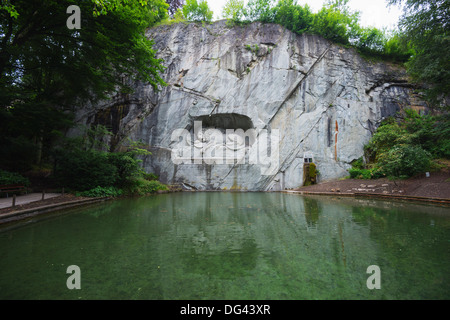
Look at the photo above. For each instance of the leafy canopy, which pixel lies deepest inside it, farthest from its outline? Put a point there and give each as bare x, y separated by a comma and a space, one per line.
46, 69
405, 148
426, 25
41, 59
197, 11
335, 21
233, 9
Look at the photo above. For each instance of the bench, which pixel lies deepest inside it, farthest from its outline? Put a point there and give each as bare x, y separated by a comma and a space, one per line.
12, 188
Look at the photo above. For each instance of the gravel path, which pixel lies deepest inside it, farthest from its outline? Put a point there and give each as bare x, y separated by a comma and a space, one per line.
435, 186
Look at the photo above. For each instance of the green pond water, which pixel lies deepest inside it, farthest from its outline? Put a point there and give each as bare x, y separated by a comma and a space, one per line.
265, 246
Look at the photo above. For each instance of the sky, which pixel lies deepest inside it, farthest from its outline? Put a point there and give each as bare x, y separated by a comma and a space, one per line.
374, 13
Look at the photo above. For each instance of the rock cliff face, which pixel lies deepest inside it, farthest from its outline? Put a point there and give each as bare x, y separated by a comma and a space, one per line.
245, 106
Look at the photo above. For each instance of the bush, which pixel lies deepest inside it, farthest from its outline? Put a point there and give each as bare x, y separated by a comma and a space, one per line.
197, 11
150, 176
440, 145
17, 154
313, 173
177, 18
233, 9
7, 177
143, 187
127, 167
366, 174
405, 161
377, 173
85, 170
358, 164
310, 175
405, 148
99, 192
388, 135
360, 174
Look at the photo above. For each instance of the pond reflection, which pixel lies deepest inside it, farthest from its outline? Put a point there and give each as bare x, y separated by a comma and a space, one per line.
231, 246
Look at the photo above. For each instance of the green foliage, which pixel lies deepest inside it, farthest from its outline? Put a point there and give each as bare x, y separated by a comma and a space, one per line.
397, 48
94, 137
259, 10
84, 170
366, 174
46, 69
431, 133
150, 176
358, 164
310, 175
420, 130
253, 48
404, 161
360, 170
313, 173
53, 65
100, 192
9, 8
17, 153
335, 21
359, 174
292, 16
406, 148
197, 11
178, 17
233, 9
81, 168
142, 187
127, 168
441, 137
425, 25
7, 177
387, 136
370, 40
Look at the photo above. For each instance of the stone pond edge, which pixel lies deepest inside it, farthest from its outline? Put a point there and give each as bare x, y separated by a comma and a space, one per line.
29, 213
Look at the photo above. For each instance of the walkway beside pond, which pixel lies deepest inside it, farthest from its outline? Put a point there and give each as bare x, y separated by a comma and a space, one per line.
25, 199
36, 206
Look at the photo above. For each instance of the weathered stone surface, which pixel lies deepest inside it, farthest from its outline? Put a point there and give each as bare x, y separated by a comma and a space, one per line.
325, 100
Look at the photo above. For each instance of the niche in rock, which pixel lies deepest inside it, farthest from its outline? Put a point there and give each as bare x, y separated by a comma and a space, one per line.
219, 139
224, 121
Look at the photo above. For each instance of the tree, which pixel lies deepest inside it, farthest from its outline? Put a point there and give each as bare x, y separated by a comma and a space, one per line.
396, 48
259, 10
370, 40
336, 22
292, 16
403, 161
388, 135
426, 24
109, 44
197, 11
174, 5
47, 69
233, 9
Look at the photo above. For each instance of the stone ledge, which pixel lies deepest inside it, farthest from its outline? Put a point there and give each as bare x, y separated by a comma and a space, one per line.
375, 195
27, 213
